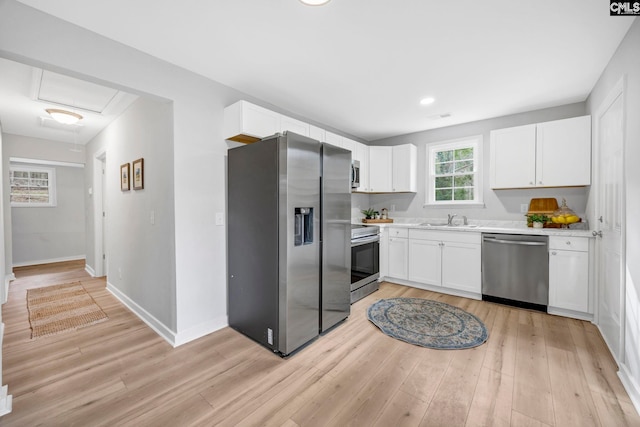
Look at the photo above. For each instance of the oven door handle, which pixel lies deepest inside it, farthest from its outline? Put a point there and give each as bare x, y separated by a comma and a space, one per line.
365, 241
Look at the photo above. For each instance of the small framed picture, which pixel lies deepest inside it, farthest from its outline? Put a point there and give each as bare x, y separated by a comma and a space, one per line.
138, 174
124, 178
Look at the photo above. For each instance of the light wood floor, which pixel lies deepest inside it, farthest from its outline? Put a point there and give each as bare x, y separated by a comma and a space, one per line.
534, 370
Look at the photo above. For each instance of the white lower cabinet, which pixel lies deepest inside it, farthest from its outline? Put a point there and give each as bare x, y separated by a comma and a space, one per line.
398, 250
461, 266
425, 257
569, 274
449, 260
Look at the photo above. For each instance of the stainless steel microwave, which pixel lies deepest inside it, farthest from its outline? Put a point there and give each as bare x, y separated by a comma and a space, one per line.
355, 173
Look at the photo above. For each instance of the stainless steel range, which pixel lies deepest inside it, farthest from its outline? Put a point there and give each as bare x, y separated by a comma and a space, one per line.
365, 260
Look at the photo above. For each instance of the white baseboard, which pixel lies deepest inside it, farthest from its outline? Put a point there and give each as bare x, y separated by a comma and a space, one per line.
89, 270
144, 315
175, 339
632, 387
200, 330
49, 261
7, 281
6, 401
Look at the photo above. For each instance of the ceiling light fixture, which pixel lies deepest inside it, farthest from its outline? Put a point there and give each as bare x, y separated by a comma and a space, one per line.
427, 101
315, 2
63, 116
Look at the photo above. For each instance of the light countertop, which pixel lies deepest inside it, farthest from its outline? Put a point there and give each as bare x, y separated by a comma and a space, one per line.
482, 226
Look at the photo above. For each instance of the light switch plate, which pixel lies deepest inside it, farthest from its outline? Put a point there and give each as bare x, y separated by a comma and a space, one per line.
219, 218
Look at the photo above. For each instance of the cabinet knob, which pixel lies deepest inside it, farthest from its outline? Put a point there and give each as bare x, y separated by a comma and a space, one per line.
553, 253
540, 182
530, 182
568, 242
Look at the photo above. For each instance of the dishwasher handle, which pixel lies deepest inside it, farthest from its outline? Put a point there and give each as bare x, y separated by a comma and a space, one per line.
514, 242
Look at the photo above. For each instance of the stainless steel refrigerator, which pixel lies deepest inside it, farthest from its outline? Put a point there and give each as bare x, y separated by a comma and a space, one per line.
289, 255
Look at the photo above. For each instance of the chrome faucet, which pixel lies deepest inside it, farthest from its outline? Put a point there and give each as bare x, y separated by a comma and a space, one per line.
450, 219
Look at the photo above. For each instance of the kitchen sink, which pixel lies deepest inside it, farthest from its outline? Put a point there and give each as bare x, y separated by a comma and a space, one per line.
444, 224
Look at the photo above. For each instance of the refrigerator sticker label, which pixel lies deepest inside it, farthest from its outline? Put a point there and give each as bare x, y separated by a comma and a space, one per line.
269, 336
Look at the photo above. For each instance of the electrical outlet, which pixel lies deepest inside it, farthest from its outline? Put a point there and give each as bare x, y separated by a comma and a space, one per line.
524, 208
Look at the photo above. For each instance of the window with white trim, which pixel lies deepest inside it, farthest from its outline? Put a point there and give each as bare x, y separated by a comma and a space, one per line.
454, 172
32, 186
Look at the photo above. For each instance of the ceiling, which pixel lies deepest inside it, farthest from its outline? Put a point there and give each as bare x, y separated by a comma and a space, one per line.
26, 92
362, 66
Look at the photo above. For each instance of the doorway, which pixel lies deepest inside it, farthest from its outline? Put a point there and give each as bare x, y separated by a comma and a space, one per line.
610, 222
99, 213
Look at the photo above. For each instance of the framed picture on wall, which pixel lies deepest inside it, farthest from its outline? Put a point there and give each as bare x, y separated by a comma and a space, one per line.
124, 178
138, 174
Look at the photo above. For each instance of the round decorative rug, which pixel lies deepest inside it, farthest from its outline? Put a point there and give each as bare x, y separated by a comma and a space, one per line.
427, 323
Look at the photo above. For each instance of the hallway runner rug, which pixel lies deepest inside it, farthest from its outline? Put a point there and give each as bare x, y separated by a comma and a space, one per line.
61, 308
427, 323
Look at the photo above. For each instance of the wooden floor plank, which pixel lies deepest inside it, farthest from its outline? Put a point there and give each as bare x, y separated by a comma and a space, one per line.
535, 369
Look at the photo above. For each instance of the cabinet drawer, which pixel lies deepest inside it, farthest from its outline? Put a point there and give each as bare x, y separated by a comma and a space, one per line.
399, 232
445, 236
569, 243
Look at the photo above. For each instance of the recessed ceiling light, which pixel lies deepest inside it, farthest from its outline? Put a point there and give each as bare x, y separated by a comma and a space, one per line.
315, 2
427, 101
64, 116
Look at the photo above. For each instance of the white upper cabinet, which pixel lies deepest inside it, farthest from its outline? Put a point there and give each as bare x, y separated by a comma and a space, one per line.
349, 144
246, 122
333, 139
380, 169
564, 153
405, 165
393, 169
362, 155
549, 154
317, 133
513, 157
293, 125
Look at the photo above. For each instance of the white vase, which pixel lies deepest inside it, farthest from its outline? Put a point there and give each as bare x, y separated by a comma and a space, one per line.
537, 225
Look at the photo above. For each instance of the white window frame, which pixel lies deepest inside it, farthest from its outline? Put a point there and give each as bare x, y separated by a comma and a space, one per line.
51, 186
475, 142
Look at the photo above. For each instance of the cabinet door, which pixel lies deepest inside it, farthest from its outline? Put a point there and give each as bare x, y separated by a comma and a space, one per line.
349, 144
316, 133
404, 168
564, 153
398, 262
461, 267
380, 169
333, 139
569, 280
293, 125
246, 122
513, 157
424, 261
362, 154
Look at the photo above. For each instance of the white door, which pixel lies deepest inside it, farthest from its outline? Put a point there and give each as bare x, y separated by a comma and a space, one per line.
610, 222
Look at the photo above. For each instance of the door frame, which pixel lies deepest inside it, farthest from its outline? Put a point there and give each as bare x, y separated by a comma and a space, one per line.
99, 161
618, 90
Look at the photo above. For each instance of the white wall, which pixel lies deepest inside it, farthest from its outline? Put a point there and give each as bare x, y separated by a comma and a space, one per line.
45, 234
626, 63
50, 234
499, 204
140, 252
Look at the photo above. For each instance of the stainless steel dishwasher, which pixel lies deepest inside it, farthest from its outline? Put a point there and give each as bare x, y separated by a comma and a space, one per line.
515, 270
